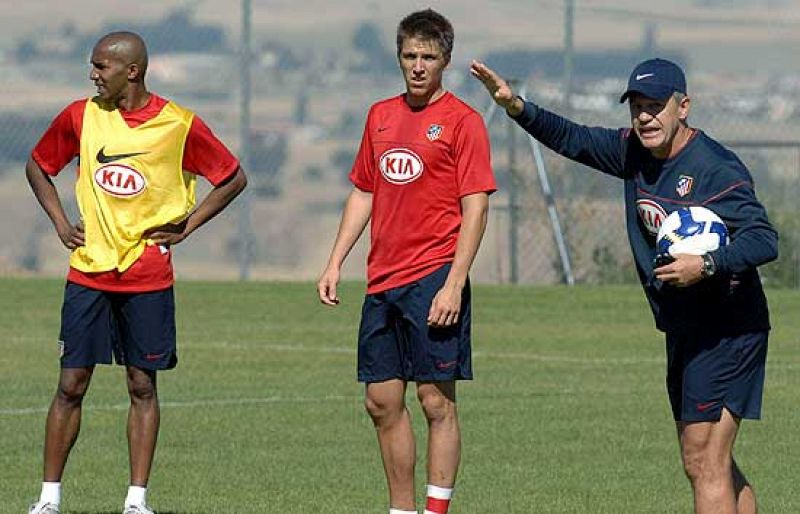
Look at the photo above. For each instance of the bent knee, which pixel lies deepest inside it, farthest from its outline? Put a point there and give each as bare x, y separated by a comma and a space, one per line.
142, 391
70, 393
380, 410
141, 384
72, 387
437, 407
706, 465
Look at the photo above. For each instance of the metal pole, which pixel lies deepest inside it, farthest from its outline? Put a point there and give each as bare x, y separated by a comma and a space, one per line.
513, 211
552, 212
558, 233
488, 116
569, 53
246, 238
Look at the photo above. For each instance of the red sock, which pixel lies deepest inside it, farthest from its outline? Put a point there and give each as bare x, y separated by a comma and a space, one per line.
438, 500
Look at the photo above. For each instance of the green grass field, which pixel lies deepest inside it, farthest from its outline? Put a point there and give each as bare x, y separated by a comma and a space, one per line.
567, 413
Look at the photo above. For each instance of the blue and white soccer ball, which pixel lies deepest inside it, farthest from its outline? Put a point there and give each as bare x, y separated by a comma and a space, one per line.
691, 230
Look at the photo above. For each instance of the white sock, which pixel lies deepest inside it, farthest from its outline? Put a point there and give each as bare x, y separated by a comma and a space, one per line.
51, 493
442, 493
135, 495
398, 511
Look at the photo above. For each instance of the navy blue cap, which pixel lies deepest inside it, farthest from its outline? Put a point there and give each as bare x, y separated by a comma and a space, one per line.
655, 78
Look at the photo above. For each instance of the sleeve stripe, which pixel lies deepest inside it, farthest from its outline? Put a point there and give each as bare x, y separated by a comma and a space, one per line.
726, 191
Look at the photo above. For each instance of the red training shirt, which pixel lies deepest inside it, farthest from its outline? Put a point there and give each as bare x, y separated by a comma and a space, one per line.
204, 155
418, 164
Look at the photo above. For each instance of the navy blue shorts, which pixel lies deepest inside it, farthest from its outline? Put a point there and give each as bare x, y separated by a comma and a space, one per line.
706, 373
395, 341
137, 328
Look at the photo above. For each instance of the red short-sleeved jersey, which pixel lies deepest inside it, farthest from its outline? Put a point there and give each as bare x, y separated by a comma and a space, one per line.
204, 155
418, 164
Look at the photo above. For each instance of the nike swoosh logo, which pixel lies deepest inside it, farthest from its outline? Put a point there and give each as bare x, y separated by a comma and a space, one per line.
381, 129
644, 76
705, 406
102, 158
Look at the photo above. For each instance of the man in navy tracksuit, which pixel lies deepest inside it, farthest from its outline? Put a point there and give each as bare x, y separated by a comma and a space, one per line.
711, 307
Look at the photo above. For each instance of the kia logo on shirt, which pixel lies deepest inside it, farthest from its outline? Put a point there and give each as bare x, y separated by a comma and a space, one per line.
400, 166
651, 214
119, 180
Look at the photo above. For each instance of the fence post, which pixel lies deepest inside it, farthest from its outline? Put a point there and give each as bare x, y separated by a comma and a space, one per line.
245, 236
513, 207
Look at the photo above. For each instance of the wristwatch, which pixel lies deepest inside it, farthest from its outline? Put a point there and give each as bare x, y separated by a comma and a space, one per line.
709, 267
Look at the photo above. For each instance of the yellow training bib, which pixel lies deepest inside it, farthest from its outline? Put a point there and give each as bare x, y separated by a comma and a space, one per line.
130, 180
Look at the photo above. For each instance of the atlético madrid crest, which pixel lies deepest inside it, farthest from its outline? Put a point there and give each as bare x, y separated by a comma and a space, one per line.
684, 186
434, 131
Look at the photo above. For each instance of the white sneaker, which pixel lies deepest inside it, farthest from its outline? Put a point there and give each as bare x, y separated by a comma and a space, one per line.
43, 508
136, 509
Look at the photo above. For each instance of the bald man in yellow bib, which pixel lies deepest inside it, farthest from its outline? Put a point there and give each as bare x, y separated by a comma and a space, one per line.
138, 157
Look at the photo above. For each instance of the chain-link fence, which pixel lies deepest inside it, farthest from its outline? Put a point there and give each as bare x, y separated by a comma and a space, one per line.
313, 77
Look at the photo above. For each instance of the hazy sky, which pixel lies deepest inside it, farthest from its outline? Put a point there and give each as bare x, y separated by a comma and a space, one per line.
742, 36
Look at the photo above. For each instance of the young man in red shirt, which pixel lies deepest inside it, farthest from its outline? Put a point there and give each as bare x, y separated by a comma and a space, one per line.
423, 177
138, 158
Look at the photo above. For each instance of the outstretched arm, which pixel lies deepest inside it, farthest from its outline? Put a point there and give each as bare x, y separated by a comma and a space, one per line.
357, 211
216, 200
598, 148
500, 91
45, 191
446, 305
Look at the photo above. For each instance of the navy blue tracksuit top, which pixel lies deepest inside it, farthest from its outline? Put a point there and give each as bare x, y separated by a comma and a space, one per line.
703, 173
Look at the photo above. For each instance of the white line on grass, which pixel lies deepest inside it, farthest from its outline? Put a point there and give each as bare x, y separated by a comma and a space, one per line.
342, 350
479, 354
783, 364
195, 403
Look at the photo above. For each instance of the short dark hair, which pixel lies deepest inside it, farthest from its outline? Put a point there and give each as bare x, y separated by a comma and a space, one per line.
427, 25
